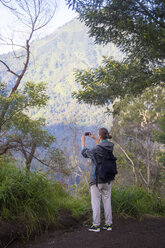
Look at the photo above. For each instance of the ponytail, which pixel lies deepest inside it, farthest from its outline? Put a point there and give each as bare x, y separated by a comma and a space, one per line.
103, 132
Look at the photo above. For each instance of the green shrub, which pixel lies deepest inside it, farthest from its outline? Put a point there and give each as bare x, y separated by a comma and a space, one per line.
136, 201
33, 199
130, 201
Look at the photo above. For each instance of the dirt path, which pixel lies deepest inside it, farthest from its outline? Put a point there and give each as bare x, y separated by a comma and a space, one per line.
126, 233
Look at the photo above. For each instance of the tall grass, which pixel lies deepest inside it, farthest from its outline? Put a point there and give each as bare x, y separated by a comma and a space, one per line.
33, 199
130, 201
136, 202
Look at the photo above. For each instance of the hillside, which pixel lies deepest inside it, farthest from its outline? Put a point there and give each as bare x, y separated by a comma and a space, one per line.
53, 60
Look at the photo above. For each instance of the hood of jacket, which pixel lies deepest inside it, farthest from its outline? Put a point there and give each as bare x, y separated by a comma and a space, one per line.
106, 145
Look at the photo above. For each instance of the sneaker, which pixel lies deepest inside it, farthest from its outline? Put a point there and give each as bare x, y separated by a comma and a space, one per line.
107, 227
94, 228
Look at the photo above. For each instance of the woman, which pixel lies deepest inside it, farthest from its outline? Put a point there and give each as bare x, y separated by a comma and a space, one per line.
99, 187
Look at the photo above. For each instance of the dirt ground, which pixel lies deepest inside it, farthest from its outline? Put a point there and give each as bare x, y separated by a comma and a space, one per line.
126, 233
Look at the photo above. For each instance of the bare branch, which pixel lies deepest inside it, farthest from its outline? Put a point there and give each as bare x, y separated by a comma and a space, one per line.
35, 14
143, 177
12, 44
5, 3
132, 163
8, 69
39, 160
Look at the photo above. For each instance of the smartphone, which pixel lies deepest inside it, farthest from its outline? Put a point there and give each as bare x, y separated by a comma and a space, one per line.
87, 133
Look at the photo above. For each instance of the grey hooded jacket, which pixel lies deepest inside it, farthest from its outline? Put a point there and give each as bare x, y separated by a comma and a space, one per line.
96, 155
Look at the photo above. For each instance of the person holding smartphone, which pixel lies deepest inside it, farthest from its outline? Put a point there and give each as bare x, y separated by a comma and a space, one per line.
99, 187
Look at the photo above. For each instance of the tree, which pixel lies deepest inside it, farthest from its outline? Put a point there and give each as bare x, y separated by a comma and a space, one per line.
31, 139
33, 15
79, 172
30, 96
28, 136
133, 129
134, 26
5, 3
116, 80
159, 136
138, 29
16, 101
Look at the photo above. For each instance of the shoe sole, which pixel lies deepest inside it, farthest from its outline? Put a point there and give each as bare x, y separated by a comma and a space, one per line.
93, 230
107, 229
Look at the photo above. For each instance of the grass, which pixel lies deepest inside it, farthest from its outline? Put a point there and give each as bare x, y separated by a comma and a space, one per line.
33, 199
130, 201
136, 202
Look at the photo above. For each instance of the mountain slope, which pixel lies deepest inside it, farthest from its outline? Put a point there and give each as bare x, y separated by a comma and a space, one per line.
53, 60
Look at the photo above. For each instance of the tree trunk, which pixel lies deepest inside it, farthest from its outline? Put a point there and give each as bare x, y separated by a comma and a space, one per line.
30, 157
132, 163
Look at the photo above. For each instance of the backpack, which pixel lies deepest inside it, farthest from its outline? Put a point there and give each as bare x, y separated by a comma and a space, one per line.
107, 169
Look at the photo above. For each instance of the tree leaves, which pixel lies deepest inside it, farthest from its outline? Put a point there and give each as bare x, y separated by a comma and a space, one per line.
137, 27
115, 79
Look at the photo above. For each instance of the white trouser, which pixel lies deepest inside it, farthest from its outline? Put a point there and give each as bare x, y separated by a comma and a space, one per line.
104, 190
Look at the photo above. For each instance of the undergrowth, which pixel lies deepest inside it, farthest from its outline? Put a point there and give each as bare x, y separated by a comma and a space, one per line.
130, 201
136, 202
36, 201
32, 199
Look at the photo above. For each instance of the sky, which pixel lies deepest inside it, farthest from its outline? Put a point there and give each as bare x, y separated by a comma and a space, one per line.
7, 21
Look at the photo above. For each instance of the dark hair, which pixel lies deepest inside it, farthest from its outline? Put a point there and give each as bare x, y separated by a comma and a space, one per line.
103, 132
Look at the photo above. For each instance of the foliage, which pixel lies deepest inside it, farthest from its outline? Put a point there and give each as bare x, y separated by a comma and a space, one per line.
30, 96
27, 136
32, 199
56, 56
17, 98
33, 15
114, 79
56, 162
129, 201
138, 29
159, 136
133, 126
19, 131
134, 201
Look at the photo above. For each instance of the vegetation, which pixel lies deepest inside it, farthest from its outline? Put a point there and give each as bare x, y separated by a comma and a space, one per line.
18, 131
55, 58
136, 202
22, 134
33, 199
129, 201
116, 80
133, 26
53, 61
136, 119
36, 201
159, 136
135, 85
138, 29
